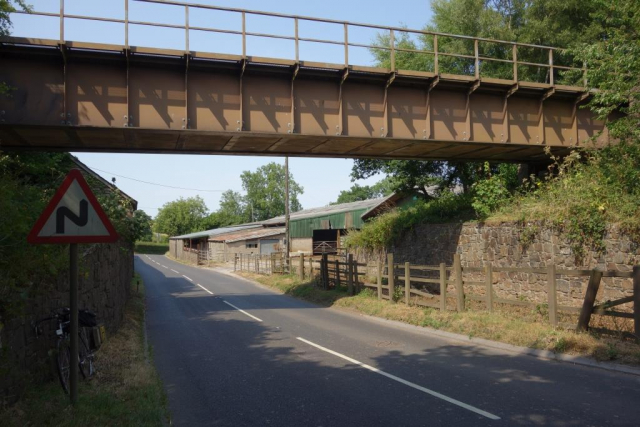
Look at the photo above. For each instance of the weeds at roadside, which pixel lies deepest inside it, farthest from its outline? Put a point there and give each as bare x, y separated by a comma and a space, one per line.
126, 389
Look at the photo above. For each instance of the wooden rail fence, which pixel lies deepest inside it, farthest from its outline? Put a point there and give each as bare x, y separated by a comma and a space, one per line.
262, 264
399, 279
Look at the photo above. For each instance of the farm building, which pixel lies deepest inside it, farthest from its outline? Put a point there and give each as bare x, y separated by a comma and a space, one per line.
256, 240
319, 230
194, 247
312, 231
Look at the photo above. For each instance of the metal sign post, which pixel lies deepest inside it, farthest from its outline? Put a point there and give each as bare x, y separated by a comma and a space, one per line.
73, 303
73, 216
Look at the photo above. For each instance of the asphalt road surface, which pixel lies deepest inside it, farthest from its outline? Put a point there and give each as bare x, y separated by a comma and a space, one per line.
232, 353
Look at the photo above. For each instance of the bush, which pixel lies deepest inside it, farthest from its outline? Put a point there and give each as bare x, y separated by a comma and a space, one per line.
380, 232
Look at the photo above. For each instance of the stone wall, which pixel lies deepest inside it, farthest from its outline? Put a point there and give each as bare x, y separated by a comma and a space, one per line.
514, 245
105, 273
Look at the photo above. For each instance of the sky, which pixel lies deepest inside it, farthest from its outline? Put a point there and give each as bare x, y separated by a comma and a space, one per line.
208, 176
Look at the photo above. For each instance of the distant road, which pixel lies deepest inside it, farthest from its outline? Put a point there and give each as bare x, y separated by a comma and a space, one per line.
231, 353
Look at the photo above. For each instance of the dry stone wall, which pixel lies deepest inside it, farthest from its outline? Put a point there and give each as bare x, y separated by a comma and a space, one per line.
515, 245
105, 273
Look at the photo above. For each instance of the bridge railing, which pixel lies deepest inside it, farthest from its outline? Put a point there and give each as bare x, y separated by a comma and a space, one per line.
482, 57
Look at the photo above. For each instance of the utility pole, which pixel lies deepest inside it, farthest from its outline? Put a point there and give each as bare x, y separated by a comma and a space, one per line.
286, 210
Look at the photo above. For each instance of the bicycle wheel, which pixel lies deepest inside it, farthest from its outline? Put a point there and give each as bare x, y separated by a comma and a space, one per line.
85, 357
64, 363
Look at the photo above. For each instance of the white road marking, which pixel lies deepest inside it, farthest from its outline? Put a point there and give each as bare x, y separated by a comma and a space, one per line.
164, 266
187, 278
207, 290
405, 382
175, 271
242, 311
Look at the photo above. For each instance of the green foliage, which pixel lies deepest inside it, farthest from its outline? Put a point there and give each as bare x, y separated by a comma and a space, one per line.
7, 7
142, 226
27, 183
181, 216
528, 234
266, 193
357, 192
388, 227
491, 193
151, 248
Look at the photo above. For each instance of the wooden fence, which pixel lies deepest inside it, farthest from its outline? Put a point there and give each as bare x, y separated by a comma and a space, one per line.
262, 264
439, 277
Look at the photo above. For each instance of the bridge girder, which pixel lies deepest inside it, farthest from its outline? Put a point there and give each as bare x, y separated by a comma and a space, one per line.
89, 97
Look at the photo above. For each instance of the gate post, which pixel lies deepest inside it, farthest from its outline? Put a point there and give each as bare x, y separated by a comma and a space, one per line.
301, 267
379, 266
489, 279
391, 276
553, 307
636, 301
443, 286
457, 267
407, 283
325, 271
350, 274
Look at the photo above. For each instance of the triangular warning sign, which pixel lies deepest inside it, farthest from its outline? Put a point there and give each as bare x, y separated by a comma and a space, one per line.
73, 216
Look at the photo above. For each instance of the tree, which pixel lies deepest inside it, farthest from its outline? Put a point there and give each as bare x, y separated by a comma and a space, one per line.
181, 216
265, 191
7, 7
233, 210
364, 192
560, 23
142, 226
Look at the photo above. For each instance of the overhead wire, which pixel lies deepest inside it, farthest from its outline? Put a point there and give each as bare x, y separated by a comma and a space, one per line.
156, 184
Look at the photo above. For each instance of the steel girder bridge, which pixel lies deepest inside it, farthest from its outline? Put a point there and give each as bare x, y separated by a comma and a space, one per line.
78, 96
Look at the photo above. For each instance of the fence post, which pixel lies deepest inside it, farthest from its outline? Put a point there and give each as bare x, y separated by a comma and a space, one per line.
301, 267
350, 274
553, 308
443, 286
407, 283
391, 276
325, 271
457, 266
356, 281
235, 262
589, 300
636, 301
311, 275
337, 273
489, 273
379, 266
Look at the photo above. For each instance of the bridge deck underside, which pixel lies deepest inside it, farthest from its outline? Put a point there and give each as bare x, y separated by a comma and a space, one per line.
105, 98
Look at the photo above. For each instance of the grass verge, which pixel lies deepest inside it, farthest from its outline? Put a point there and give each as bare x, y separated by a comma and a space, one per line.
126, 389
151, 248
517, 326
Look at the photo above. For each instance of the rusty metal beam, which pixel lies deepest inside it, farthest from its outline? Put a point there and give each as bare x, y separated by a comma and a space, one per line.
177, 101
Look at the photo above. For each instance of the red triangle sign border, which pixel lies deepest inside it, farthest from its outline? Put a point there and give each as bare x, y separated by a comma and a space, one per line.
73, 175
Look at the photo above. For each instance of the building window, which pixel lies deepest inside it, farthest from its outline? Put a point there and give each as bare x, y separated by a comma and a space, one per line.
251, 245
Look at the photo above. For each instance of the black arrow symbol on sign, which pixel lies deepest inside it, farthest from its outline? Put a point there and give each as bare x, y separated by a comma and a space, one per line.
64, 212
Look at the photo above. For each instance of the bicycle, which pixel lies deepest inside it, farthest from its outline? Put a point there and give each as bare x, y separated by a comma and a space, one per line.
86, 319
